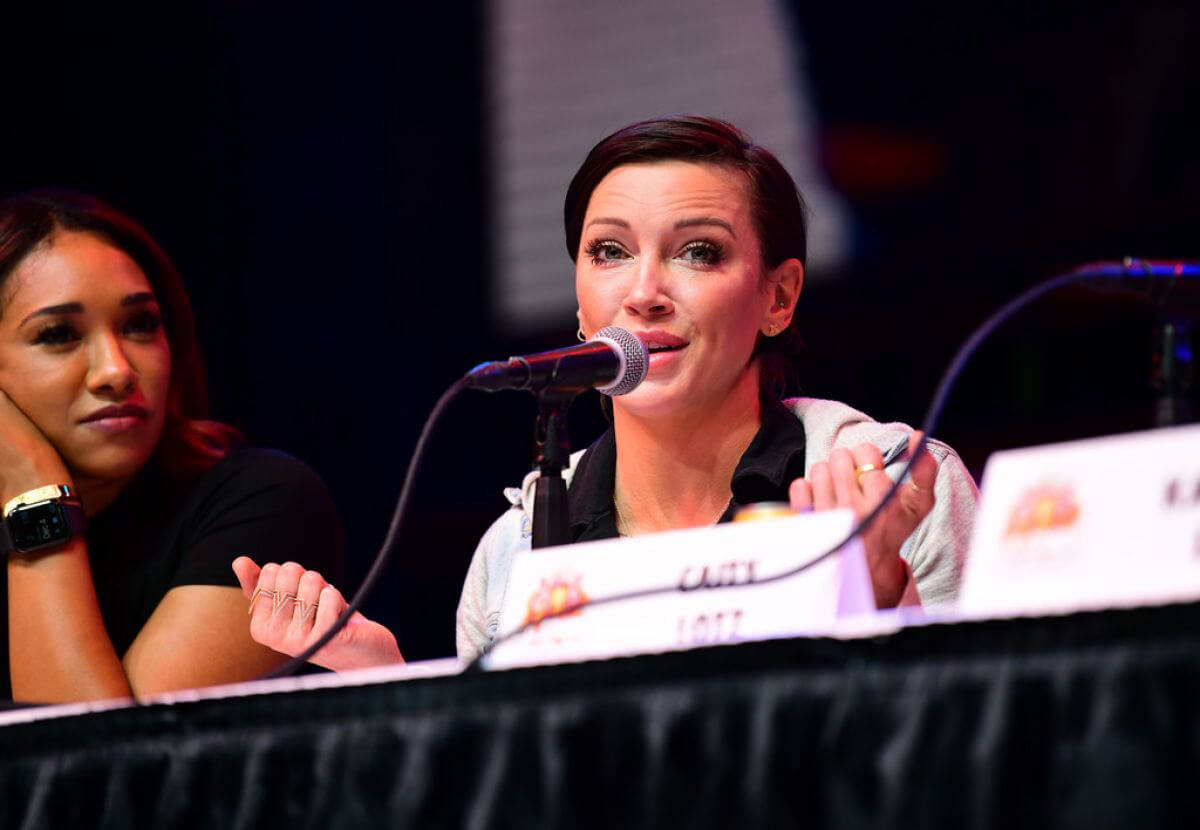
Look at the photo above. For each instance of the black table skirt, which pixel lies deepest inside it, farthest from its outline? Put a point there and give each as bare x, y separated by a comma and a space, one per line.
1091, 720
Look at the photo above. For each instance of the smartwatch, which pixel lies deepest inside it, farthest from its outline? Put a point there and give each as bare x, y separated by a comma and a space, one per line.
39, 519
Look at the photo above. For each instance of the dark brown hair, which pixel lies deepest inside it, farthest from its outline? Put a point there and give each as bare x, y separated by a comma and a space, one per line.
190, 443
776, 205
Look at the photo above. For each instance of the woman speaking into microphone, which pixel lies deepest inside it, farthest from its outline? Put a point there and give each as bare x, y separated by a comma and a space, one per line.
693, 238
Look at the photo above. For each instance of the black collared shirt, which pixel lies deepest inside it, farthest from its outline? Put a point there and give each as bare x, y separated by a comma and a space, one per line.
765, 471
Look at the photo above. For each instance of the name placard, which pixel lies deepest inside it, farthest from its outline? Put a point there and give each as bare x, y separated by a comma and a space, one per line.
1107, 522
717, 590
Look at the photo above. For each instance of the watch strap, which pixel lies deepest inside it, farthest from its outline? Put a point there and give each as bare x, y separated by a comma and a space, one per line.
76, 518
48, 492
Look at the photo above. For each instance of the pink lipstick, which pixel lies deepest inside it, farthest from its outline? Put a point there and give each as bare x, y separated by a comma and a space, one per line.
117, 418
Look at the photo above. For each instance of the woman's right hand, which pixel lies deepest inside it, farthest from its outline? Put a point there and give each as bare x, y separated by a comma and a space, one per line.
27, 459
290, 608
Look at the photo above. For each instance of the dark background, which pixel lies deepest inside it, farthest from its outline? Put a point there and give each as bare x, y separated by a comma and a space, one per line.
319, 178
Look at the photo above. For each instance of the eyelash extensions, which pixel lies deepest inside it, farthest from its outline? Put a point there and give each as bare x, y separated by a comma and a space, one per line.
60, 333
55, 334
713, 251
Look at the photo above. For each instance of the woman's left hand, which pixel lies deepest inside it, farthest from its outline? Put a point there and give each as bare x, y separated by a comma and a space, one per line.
27, 459
838, 482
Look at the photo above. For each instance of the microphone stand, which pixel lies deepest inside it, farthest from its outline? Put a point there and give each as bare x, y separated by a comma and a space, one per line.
551, 453
613, 356
1173, 371
1173, 368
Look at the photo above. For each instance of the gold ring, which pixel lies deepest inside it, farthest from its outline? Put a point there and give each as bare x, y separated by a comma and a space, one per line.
279, 600
254, 598
862, 469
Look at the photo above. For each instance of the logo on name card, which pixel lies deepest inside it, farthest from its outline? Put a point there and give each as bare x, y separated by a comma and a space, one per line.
561, 595
1047, 506
1183, 492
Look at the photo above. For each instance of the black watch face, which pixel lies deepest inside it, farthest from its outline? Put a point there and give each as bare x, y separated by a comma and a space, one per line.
38, 526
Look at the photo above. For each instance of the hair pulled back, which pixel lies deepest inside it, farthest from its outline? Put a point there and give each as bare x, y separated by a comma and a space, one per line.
777, 208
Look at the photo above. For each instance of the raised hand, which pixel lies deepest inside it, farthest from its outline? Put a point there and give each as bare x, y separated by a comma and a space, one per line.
856, 479
290, 608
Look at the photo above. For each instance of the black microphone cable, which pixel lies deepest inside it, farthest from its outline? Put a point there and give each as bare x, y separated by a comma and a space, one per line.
1128, 268
389, 541
1135, 268
632, 371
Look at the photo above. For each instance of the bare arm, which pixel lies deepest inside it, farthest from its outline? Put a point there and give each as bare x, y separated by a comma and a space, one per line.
58, 647
60, 651
196, 637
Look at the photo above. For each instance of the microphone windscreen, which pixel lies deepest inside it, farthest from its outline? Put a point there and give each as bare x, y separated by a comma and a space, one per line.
635, 362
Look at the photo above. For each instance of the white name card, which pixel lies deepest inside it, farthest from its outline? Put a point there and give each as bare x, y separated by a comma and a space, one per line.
737, 557
1107, 522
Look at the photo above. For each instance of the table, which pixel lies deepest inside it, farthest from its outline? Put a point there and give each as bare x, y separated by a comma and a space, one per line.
1088, 720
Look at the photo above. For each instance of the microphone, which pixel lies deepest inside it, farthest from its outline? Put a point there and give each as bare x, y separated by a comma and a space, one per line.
614, 361
1136, 268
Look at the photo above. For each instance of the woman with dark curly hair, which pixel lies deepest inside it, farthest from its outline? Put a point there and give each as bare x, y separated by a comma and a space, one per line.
123, 505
